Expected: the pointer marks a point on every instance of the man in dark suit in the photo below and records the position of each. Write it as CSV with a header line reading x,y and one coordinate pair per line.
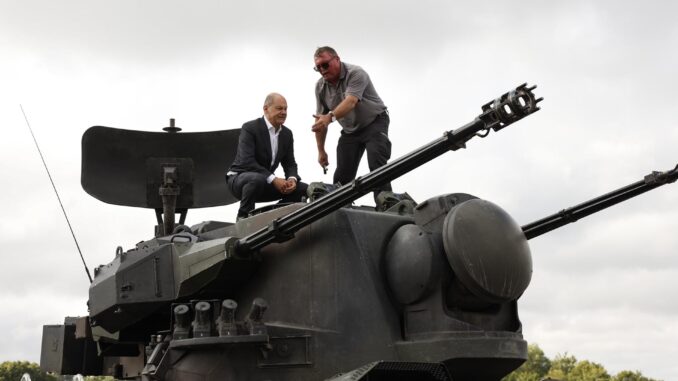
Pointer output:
x,y
264,144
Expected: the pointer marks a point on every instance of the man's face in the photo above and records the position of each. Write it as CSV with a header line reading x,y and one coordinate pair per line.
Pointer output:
x,y
276,112
329,67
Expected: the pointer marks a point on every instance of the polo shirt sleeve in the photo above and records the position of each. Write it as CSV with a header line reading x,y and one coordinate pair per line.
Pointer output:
x,y
319,109
357,81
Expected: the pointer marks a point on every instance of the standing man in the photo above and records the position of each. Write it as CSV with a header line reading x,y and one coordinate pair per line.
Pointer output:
x,y
345,94
263,144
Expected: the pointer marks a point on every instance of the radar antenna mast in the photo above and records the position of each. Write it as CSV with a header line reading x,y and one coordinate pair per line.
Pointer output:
x,y
57,193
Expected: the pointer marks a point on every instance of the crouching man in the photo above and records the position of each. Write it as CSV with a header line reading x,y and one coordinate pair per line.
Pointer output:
x,y
264,144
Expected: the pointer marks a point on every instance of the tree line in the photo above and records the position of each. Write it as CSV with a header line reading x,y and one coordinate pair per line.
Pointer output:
x,y
565,367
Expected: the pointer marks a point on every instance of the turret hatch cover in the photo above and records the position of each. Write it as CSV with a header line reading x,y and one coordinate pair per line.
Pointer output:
x,y
124,167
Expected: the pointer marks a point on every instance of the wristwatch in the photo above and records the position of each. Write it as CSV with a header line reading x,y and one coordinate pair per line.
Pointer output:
x,y
334,118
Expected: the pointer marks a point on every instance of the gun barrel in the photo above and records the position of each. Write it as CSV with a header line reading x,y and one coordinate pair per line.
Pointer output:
x,y
570,215
503,111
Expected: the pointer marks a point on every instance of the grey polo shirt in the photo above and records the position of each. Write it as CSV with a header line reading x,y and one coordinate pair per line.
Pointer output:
x,y
353,80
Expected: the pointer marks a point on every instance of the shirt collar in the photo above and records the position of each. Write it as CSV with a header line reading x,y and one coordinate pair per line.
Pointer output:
x,y
344,71
271,127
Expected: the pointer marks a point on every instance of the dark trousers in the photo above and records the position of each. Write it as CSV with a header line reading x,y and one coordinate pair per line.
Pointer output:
x,y
372,138
251,187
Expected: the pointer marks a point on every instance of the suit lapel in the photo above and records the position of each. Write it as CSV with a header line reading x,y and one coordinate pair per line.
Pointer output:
x,y
266,141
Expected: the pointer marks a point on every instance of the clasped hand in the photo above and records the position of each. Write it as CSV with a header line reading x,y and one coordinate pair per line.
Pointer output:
x,y
285,186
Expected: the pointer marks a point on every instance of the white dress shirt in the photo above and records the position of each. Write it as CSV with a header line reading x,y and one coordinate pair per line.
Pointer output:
x,y
273,134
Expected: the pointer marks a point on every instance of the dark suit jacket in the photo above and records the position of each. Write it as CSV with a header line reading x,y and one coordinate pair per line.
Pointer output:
x,y
254,150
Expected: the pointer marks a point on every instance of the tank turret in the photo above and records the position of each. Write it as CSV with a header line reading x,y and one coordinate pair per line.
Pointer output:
x,y
322,290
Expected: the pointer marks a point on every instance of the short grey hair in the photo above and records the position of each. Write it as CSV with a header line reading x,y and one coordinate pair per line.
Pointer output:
x,y
325,49
270,98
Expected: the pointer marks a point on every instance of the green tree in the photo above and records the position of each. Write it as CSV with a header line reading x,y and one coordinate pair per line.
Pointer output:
x,y
534,369
13,370
561,366
627,375
588,371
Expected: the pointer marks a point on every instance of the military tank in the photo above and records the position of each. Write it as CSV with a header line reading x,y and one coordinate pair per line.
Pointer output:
x,y
319,290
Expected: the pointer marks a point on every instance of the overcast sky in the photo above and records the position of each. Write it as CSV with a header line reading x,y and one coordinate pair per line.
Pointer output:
x,y
603,289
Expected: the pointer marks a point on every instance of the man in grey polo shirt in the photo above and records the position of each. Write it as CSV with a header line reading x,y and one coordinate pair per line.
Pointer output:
x,y
346,94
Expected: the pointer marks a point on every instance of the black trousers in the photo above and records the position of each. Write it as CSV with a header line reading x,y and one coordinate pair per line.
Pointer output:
x,y
251,187
372,138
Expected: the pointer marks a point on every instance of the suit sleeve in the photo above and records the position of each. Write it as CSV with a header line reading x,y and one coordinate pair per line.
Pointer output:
x,y
288,162
247,147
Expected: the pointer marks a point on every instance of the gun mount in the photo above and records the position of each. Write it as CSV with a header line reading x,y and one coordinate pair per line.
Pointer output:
x,y
312,291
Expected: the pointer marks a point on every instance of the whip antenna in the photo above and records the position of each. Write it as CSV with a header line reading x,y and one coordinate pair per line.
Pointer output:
x,y
57,194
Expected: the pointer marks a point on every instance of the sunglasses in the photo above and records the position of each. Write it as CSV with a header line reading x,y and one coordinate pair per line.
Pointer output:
x,y
323,66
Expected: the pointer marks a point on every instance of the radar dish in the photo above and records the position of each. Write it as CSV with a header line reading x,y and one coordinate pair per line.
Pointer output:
x,y
124,167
